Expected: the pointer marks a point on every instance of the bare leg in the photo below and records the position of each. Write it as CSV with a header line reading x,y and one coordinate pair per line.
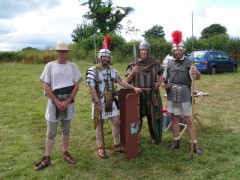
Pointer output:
x,y
116,129
99,133
188,120
65,141
175,126
49,146
196,149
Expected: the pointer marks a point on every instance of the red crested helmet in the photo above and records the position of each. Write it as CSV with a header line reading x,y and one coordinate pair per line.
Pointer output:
x,y
179,46
177,40
104,52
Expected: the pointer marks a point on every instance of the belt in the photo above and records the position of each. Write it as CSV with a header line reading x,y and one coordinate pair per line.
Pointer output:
x,y
180,85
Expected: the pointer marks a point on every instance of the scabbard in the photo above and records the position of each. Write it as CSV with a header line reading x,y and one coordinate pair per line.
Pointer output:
x,y
98,118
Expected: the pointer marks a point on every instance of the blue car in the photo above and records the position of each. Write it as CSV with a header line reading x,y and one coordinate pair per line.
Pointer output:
x,y
213,61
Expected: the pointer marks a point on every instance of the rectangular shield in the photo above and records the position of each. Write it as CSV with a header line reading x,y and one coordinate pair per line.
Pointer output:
x,y
130,124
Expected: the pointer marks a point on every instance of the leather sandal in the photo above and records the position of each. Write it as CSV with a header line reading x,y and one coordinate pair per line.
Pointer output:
x,y
67,157
45,161
119,148
101,153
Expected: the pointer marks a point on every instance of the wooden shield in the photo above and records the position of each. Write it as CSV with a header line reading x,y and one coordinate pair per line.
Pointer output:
x,y
130,124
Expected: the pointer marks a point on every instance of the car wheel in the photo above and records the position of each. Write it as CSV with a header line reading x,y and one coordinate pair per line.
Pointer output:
x,y
213,70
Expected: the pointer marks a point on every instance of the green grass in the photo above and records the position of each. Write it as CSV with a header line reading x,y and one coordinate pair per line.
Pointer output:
x,y
23,129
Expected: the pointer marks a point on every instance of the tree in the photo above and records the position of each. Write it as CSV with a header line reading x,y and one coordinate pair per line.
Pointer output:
x,y
29,49
235,48
192,44
212,30
83,31
104,17
156,32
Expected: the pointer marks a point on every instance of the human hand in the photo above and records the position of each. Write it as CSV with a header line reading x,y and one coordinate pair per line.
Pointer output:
x,y
165,85
99,108
194,73
134,70
137,90
193,69
157,85
62,105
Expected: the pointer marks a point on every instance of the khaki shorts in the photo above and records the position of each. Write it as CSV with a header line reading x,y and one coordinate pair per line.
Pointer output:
x,y
52,128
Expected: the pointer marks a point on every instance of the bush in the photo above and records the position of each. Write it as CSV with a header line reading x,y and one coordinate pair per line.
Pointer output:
x,y
122,51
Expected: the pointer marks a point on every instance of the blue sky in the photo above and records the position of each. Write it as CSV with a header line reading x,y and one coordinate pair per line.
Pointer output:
x,y
42,23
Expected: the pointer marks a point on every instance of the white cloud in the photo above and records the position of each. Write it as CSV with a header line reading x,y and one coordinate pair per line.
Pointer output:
x,y
46,26
41,23
11,8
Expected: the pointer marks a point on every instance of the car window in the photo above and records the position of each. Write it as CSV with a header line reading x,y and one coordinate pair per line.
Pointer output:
x,y
199,55
217,55
225,56
210,55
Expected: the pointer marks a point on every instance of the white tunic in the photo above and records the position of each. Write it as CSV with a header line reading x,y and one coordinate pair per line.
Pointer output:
x,y
60,76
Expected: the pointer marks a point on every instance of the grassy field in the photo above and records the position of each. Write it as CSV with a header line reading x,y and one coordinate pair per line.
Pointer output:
x,y
23,129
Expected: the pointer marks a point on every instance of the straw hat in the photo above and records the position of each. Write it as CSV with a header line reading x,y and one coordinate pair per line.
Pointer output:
x,y
61,46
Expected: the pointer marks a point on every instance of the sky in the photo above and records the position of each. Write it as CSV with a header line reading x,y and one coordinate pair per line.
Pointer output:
x,y
42,23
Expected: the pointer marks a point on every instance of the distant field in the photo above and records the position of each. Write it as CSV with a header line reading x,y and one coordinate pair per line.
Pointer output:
x,y
23,129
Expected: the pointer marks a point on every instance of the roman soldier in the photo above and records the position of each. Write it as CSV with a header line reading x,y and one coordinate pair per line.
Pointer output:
x,y
146,73
101,79
178,76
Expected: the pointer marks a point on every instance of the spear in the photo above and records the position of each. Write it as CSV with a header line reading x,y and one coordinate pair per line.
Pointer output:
x,y
134,54
193,123
193,101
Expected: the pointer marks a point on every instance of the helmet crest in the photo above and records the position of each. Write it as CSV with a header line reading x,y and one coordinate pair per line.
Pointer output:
x,y
176,37
107,42
177,40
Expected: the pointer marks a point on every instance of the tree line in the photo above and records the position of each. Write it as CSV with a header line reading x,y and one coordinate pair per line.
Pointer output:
x,y
103,18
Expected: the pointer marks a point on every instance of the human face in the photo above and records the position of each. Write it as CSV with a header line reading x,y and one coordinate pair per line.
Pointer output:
x,y
62,56
178,54
143,53
105,60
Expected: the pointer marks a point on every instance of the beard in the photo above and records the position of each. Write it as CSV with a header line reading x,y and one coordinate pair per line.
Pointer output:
x,y
178,56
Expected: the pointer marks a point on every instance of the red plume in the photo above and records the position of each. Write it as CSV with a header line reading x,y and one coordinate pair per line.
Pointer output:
x,y
107,42
176,37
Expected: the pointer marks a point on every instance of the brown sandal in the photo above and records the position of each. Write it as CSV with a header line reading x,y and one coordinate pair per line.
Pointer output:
x,y
101,153
67,157
119,148
45,161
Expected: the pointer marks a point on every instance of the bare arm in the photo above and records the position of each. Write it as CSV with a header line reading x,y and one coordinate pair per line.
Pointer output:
x,y
158,83
94,94
132,74
129,86
195,72
74,92
49,93
96,98
61,105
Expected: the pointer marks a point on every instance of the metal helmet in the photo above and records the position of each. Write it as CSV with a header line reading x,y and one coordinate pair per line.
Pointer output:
x,y
104,52
179,46
144,45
